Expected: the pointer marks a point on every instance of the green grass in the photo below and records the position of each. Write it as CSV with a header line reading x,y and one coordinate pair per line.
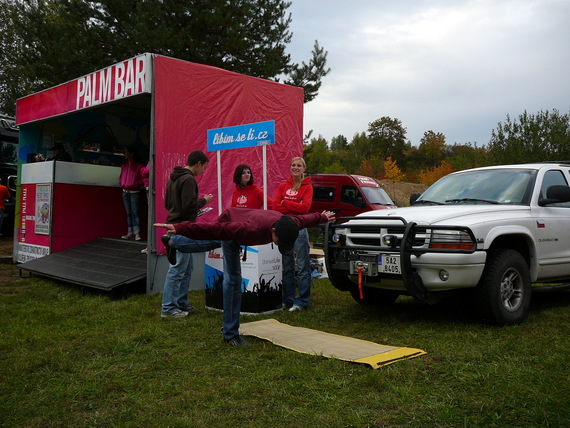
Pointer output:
x,y
73,359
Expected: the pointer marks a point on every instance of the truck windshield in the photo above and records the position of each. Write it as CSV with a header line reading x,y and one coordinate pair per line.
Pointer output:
x,y
496,186
376,196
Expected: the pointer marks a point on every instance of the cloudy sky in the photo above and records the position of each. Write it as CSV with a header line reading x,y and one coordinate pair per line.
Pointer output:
x,y
452,66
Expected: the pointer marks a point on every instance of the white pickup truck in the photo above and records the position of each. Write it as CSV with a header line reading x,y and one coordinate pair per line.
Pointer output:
x,y
493,231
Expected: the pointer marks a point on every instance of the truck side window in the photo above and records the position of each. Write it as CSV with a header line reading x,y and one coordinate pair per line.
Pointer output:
x,y
323,193
553,178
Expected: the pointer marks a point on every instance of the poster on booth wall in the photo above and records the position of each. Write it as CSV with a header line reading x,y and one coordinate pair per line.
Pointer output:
x,y
261,279
43,209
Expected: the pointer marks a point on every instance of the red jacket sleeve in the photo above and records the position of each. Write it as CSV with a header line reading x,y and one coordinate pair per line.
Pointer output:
x,y
309,220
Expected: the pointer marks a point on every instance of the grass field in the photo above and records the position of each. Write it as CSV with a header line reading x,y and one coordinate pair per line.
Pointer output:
x,y
75,359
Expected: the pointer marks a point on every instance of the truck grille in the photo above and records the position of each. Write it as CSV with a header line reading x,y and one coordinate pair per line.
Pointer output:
x,y
371,235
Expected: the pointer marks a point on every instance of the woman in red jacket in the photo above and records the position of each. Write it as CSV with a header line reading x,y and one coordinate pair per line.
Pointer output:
x,y
247,194
294,197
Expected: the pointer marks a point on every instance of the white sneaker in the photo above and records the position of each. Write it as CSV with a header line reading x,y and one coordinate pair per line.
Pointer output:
x,y
296,308
176,313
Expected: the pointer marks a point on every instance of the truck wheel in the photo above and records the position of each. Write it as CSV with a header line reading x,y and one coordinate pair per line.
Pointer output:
x,y
373,296
340,280
504,289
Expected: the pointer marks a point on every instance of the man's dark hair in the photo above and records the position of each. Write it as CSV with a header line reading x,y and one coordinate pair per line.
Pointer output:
x,y
197,156
287,232
239,170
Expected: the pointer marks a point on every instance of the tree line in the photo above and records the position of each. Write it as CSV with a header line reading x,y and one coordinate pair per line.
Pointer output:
x,y
47,42
383,152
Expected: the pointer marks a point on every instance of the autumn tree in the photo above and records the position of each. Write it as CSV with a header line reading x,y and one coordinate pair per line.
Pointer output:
x,y
431,175
47,42
392,171
371,167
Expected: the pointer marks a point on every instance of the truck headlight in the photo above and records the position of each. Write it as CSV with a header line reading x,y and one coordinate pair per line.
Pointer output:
x,y
390,240
338,238
451,240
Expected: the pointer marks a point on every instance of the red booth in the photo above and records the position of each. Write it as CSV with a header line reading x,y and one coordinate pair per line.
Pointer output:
x,y
163,106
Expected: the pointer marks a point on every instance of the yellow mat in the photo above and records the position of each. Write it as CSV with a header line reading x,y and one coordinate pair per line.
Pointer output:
x,y
328,345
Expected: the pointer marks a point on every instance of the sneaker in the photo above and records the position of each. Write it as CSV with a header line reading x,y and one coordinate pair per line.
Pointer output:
x,y
137,237
170,250
190,309
287,306
237,341
176,313
145,251
296,308
128,236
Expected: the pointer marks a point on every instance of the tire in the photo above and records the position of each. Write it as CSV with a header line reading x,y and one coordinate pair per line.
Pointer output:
x,y
373,296
504,291
340,280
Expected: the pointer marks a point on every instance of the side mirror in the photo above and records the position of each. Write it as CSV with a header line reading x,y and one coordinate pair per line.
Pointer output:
x,y
555,194
414,197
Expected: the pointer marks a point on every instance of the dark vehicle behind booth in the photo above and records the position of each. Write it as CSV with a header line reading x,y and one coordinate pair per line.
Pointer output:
x,y
8,168
347,194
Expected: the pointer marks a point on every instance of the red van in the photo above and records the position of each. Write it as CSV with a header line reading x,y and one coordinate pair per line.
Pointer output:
x,y
347,194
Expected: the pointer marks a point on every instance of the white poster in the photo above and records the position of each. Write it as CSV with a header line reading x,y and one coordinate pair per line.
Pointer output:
x,y
43,209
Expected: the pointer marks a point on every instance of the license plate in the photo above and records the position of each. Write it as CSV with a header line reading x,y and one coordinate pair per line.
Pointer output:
x,y
388,263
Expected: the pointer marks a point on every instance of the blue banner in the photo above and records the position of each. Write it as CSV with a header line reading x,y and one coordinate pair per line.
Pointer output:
x,y
237,137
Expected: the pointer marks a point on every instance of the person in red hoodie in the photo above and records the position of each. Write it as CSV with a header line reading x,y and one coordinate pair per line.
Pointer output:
x,y
294,197
4,194
247,194
236,227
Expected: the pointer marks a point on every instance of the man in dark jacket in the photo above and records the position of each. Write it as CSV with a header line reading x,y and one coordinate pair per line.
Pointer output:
x,y
182,203
240,226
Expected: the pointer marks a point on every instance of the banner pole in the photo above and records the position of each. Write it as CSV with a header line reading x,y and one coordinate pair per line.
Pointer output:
x,y
219,168
264,177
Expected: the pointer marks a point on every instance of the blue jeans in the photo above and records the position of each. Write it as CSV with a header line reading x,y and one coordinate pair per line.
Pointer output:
x,y
231,286
188,245
175,293
1,218
301,259
131,201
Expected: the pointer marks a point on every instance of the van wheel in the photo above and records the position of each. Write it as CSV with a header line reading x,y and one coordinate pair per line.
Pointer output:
x,y
504,290
373,296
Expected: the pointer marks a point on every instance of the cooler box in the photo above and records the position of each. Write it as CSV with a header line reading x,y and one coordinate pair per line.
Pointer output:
x,y
261,275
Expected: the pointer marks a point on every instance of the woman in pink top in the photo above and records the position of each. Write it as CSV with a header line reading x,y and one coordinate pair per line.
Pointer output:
x,y
131,183
294,197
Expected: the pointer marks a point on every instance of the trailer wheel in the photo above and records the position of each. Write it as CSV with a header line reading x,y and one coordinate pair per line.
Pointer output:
x,y
504,290
373,296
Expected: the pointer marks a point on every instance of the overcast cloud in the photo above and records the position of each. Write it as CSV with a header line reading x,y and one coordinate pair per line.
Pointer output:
x,y
451,66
